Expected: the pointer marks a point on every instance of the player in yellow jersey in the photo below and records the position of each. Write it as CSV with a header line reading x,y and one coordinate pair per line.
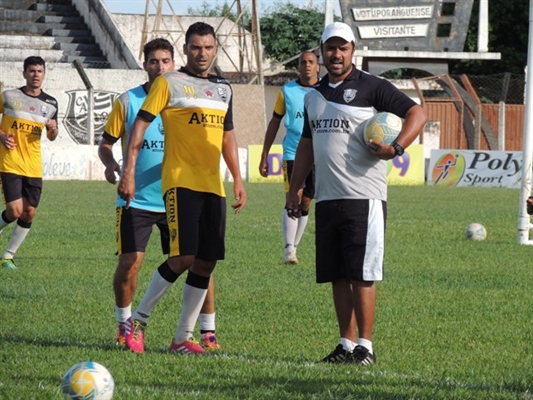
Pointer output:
x,y
26,111
196,109
134,225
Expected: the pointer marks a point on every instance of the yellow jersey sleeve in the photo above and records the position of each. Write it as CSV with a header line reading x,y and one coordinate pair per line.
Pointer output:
x,y
115,126
158,97
279,107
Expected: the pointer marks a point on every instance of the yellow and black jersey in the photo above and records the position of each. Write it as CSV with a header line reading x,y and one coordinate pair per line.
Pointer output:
x,y
196,112
24,117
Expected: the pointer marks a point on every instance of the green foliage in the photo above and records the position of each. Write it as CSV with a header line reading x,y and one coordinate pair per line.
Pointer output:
x,y
508,35
453,316
208,9
287,30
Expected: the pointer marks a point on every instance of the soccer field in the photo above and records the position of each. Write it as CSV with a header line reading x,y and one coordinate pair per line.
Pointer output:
x,y
454,317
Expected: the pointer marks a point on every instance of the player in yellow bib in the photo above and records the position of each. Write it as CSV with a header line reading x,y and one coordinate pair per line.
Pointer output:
x,y
26,111
196,109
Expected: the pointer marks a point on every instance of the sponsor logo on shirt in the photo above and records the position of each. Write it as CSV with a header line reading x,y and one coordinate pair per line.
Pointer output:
x,y
331,125
207,120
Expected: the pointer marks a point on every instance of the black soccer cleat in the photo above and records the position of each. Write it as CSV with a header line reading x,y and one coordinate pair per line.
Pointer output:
x,y
337,356
362,356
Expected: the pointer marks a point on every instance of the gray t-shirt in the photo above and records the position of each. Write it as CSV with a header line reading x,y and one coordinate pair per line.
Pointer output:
x,y
334,117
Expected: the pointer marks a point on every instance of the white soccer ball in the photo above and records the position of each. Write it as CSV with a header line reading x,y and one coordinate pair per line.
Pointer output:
x,y
382,127
88,380
476,232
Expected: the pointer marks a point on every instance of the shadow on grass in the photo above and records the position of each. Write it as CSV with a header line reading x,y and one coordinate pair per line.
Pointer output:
x,y
273,378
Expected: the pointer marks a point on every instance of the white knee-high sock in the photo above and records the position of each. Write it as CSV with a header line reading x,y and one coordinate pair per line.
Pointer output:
x,y
17,237
193,299
302,223
157,288
290,227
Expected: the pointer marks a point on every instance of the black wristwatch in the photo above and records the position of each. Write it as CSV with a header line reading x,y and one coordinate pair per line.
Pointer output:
x,y
399,150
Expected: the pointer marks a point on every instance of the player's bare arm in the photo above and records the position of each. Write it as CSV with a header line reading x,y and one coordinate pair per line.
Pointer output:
x,y
51,130
112,168
382,150
270,136
126,185
8,140
230,152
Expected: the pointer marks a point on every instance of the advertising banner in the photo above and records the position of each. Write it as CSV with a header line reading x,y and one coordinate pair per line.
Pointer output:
x,y
405,170
275,163
475,168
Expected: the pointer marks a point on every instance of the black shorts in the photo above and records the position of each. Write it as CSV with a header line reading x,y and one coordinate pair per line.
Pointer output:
x,y
350,240
134,227
197,223
16,187
309,184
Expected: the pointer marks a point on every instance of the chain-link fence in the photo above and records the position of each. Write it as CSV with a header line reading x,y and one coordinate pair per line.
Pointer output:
x,y
491,89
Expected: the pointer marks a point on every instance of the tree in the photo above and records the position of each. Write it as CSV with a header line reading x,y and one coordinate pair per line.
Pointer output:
x,y
210,10
508,35
287,30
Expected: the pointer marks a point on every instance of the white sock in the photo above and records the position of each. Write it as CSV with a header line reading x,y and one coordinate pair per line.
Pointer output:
x,y
290,227
367,344
122,313
302,223
193,299
8,255
347,345
207,322
17,237
157,288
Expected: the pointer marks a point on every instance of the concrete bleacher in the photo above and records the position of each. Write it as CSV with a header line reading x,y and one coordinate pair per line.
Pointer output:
x,y
52,29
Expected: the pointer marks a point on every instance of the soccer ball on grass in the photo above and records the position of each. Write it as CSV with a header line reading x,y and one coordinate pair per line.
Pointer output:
x,y
476,232
383,127
88,380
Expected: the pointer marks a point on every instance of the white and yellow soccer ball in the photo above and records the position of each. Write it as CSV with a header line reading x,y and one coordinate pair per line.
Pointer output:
x,y
88,380
383,127
475,232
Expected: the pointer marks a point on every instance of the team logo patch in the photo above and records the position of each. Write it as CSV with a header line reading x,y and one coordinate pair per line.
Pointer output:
x,y
349,95
44,111
76,116
222,93
209,93
32,109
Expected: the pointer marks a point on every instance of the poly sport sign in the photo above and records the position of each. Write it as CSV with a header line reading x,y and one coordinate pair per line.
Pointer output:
x,y
475,168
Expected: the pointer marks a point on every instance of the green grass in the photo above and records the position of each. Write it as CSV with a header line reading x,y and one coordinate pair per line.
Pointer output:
x,y
454,317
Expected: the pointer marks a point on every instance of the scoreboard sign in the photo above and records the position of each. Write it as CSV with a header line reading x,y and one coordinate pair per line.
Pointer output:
x,y
416,25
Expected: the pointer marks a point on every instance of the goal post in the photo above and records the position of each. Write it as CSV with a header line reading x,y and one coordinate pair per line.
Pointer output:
x,y
524,220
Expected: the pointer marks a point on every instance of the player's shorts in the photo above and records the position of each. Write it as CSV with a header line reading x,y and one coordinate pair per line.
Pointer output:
x,y
134,227
350,240
16,187
197,223
309,184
